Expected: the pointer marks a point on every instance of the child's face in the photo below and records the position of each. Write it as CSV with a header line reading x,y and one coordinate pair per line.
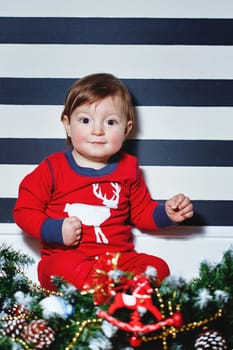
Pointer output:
x,y
97,131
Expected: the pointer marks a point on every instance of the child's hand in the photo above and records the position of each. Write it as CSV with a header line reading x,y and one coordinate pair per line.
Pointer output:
x,y
179,208
71,231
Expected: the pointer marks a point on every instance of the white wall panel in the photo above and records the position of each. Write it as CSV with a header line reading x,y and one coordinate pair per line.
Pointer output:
x,y
203,183
11,176
121,8
22,121
190,123
184,255
152,61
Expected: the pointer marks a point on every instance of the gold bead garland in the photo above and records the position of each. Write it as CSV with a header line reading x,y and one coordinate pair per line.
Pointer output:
x,y
165,331
23,343
11,318
190,326
82,325
36,287
172,331
196,324
160,299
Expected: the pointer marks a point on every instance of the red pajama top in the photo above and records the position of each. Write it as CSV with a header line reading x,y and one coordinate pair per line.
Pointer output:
x,y
108,201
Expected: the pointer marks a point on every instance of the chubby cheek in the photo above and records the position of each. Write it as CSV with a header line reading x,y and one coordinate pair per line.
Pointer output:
x,y
78,136
117,139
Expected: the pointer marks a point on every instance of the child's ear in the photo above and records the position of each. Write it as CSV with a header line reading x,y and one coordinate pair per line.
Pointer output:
x,y
66,124
128,127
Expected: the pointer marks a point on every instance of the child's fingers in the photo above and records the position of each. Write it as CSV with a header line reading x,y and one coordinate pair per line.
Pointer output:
x,y
176,201
188,211
185,202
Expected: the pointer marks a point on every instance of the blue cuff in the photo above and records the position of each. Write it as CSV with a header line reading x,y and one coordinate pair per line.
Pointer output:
x,y
160,217
52,231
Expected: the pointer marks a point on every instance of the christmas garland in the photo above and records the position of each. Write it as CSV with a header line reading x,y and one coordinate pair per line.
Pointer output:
x,y
119,311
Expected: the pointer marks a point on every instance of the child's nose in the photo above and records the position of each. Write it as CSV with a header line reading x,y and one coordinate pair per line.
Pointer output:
x,y
98,128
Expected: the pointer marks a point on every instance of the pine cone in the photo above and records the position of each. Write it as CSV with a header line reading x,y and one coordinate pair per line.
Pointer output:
x,y
210,340
14,328
39,334
18,310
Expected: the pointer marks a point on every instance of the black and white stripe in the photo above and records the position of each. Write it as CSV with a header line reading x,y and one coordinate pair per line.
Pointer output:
x,y
179,69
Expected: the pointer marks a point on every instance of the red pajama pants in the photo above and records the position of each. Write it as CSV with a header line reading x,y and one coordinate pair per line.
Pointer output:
x,y
78,269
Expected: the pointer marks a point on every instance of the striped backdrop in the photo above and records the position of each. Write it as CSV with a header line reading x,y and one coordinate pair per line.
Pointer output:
x,y
176,58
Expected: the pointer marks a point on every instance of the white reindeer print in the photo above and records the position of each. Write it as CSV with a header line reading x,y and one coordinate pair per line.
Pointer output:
x,y
95,215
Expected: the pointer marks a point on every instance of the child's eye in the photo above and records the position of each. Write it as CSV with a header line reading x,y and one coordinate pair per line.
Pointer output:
x,y
84,120
111,122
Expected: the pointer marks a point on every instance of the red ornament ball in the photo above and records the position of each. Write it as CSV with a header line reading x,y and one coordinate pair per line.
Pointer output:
x,y
39,334
177,319
210,339
135,340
